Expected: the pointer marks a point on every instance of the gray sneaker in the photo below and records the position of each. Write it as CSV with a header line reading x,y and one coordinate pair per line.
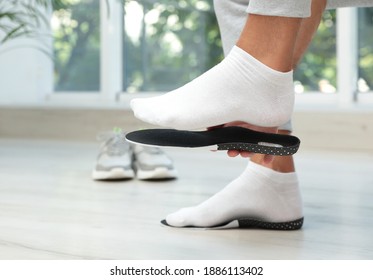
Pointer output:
x,y
114,158
152,163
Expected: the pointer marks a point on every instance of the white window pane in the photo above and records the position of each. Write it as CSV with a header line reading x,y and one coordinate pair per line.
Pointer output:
x,y
168,43
365,81
317,70
76,32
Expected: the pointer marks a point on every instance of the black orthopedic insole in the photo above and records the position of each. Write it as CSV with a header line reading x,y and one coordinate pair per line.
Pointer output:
x,y
226,138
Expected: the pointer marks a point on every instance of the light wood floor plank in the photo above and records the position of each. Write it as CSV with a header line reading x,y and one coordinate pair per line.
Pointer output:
x,y
51,209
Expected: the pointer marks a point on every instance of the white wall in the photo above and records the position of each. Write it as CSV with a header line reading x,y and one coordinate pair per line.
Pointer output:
x,y
26,73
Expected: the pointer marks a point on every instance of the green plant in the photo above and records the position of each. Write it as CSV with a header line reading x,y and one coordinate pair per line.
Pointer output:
x,y
24,18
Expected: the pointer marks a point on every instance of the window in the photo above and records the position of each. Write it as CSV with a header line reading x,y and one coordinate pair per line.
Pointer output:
x,y
168,43
76,31
317,70
365,77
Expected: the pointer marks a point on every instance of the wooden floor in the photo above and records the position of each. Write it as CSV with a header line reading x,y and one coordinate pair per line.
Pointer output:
x,y
51,209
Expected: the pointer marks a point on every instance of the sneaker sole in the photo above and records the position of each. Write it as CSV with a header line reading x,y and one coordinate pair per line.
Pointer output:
x,y
113,174
157,173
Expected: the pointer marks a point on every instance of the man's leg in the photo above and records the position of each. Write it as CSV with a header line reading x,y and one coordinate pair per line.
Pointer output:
x,y
271,40
307,30
254,83
270,194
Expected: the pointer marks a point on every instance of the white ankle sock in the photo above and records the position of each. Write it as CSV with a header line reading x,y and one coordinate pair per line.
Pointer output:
x,y
258,193
240,88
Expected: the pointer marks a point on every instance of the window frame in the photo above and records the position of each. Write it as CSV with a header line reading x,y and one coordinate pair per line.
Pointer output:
x,y
112,72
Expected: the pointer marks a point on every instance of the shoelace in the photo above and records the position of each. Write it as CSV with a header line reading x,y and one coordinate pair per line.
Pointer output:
x,y
115,143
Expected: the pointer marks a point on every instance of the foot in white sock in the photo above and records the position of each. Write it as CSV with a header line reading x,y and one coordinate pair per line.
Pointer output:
x,y
259,197
240,88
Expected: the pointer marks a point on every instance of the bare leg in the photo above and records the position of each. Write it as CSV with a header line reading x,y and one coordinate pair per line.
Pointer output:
x,y
307,30
271,40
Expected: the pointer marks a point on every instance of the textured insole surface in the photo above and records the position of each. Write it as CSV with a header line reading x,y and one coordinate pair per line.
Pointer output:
x,y
226,138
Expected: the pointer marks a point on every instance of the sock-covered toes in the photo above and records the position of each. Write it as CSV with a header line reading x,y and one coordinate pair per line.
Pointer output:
x,y
258,193
240,88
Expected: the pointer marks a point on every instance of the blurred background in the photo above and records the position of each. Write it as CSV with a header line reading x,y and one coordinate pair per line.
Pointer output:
x,y
81,61
164,44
